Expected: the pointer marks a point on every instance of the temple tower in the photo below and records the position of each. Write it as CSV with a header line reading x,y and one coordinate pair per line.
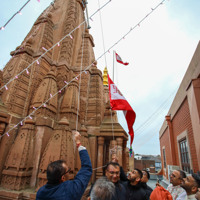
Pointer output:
x,y
55,94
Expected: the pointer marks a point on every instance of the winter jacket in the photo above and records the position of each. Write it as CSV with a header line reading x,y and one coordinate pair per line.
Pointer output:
x,y
147,189
120,192
135,192
72,189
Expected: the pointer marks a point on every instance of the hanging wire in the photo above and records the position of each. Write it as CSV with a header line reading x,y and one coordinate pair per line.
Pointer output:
x,y
102,33
83,43
157,111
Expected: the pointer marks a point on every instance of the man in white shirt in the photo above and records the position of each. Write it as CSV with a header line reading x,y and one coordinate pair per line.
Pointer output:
x,y
191,185
175,189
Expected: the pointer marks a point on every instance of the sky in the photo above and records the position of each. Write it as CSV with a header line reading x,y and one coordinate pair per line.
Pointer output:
x,y
159,51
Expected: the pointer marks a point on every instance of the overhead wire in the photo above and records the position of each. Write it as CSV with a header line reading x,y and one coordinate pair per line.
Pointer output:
x,y
157,111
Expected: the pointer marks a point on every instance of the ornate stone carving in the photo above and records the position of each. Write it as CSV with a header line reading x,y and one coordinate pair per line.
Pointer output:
x,y
67,43
69,103
61,140
47,89
18,166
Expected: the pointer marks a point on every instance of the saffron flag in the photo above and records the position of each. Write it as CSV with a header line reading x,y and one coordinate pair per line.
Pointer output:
x,y
118,102
119,60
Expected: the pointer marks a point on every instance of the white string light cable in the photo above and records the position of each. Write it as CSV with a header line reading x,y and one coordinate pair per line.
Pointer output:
x,y
34,30
18,12
47,50
84,71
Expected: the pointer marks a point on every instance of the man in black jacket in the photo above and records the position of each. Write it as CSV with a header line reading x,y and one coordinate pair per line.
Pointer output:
x,y
112,172
133,186
144,180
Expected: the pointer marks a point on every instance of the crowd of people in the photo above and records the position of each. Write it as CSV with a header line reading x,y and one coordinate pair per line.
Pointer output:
x,y
114,185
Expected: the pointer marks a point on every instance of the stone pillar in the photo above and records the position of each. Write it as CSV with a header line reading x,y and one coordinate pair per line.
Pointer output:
x,y
119,149
99,172
107,152
113,148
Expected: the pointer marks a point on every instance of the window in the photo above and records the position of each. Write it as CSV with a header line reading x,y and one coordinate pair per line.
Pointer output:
x,y
185,162
164,158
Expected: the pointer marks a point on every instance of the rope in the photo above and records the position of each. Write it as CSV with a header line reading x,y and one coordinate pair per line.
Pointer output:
x,y
18,12
80,80
102,33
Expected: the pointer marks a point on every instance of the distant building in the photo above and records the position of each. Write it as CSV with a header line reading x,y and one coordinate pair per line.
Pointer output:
x,y
148,162
180,132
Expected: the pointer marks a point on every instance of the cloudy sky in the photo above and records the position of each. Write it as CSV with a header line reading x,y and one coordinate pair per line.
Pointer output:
x,y
159,52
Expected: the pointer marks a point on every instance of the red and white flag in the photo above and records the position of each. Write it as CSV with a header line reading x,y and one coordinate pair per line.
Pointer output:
x,y
119,60
118,102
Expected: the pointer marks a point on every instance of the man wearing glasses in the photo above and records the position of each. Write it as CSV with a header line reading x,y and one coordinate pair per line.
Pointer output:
x,y
112,172
176,179
58,186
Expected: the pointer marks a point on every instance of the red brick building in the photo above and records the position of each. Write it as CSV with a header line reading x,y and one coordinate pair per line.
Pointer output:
x,y
180,132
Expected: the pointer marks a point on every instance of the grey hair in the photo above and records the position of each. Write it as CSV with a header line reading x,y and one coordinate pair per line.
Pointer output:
x,y
103,189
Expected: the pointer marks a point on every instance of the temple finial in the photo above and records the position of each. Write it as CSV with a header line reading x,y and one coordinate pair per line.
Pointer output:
x,y
105,76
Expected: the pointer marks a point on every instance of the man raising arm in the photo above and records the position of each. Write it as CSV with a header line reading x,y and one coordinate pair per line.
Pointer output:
x,y
58,186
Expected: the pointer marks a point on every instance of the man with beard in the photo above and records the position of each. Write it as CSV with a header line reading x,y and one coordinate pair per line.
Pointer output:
x,y
191,185
177,192
144,180
134,188
112,172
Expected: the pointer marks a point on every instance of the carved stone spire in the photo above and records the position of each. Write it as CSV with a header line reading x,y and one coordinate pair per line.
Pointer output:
x,y
19,163
62,142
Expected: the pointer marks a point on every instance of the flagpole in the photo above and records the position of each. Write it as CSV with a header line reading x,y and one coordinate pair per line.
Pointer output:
x,y
113,63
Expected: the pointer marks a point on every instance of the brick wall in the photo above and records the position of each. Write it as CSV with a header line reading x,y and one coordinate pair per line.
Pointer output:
x,y
165,143
182,122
